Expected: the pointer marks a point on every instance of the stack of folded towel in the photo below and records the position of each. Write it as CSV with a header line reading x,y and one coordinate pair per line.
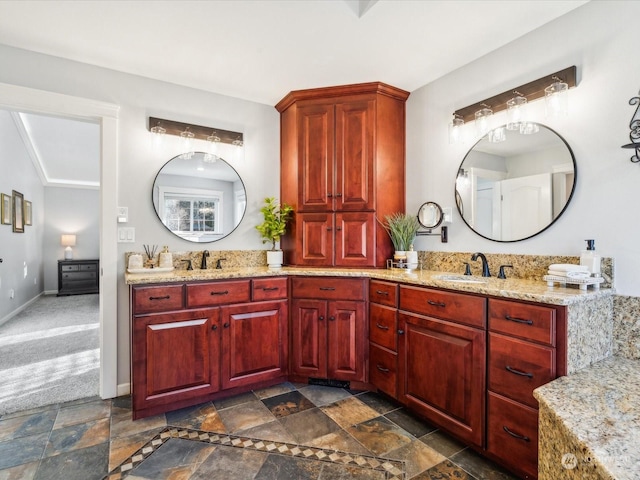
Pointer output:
x,y
569,270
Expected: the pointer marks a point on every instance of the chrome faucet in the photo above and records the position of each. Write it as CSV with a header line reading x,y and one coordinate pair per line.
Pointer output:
x,y
485,265
205,255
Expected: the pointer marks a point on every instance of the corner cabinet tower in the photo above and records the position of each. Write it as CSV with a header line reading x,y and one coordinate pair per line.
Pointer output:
x,y
342,168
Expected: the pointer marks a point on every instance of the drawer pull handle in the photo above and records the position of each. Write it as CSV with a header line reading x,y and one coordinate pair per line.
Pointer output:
x,y
380,292
166,297
328,289
519,372
223,292
269,289
518,320
515,435
382,327
382,369
436,304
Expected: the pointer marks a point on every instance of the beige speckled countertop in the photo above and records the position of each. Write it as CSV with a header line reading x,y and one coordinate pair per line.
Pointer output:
x,y
593,418
518,289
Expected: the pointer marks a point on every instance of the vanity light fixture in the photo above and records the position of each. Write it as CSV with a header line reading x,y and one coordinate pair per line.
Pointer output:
x,y
516,111
455,130
187,143
634,134
554,86
197,132
214,143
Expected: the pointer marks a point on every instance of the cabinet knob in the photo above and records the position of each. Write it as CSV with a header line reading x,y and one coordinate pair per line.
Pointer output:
x,y
226,325
400,332
214,327
332,318
320,317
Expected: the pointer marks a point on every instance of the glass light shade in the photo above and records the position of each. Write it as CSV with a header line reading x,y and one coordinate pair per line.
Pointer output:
x,y
158,130
455,131
556,98
187,143
529,128
483,121
497,135
239,150
515,112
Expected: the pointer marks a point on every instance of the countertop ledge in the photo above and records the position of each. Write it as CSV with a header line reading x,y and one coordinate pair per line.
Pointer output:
x,y
528,290
598,407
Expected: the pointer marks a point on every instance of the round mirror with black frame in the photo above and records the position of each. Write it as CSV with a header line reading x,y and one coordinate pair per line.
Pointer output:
x,y
199,197
515,189
430,215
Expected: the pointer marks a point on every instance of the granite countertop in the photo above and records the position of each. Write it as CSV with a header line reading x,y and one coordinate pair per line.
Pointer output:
x,y
518,289
599,408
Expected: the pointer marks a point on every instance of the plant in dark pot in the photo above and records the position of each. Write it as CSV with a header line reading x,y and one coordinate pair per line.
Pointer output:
x,y
276,216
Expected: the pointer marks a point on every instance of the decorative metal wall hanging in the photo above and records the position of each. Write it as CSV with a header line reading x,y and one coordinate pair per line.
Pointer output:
x,y
634,134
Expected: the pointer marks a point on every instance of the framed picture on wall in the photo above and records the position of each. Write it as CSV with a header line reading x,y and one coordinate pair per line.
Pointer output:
x,y
5,209
27,212
18,212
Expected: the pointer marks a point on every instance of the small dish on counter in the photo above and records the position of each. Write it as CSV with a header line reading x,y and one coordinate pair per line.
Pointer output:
x,y
150,270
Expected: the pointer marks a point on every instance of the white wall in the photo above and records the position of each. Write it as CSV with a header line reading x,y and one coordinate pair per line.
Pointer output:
x,y
21,269
601,40
139,161
69,210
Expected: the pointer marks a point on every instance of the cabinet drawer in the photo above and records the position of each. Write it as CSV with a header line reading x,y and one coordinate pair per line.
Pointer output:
x,y
383,326
516,367
512,434
269,288
384,293
91,267
457,307
69,268
157,299
72,276
217,293
383,369
329,288
531,322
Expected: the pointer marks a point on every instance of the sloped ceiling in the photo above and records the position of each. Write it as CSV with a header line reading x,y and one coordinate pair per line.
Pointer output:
x,y
259,50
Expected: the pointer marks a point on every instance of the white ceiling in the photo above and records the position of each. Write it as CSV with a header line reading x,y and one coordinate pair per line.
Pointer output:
x,y
259,50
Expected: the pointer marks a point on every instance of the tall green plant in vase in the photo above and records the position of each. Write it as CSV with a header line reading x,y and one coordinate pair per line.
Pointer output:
x,y
402,229
276,216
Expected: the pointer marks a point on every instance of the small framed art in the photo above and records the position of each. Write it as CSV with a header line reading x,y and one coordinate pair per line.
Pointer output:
x,y
27,212
18,212
5,209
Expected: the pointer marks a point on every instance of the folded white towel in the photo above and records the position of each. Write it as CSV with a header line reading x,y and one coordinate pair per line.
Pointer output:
x,y
558,273
568,267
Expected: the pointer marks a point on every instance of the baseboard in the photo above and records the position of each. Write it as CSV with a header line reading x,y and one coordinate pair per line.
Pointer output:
x,y
8,317
51,292
123,389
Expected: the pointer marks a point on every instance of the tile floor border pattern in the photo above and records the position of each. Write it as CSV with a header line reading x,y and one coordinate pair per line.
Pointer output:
x,y
392,469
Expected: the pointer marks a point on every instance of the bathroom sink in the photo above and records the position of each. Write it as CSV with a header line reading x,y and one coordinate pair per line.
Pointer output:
x,y
459,278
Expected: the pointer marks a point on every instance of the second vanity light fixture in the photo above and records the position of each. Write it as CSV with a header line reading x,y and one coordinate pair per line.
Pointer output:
x,y
553,88
188,133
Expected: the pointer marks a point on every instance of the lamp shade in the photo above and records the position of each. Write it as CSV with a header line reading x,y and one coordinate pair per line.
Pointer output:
x,y
68,240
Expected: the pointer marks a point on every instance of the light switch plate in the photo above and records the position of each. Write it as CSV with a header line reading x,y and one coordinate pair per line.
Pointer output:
x,y
126,234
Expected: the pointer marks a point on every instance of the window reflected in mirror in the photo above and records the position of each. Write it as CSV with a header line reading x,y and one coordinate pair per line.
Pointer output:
x,y
199,198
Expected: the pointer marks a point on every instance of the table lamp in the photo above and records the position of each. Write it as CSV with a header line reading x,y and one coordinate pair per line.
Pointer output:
x,y
68,241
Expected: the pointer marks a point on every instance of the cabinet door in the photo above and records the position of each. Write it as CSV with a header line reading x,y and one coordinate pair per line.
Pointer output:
x,y
355,126
442,370
309,338
175,357
354,233
346,341
314,239
316,157
254,343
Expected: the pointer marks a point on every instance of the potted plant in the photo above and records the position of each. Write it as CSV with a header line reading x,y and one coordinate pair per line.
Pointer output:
x,y
402,229
273,227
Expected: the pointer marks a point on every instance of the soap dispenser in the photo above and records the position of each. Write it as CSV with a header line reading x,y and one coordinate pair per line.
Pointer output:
x,y
590,259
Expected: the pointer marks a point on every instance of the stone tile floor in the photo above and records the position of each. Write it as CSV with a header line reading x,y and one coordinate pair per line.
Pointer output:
x,y
283,432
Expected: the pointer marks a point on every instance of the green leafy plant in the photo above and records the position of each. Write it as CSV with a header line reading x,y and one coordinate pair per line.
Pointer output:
x,y
276,217
402,228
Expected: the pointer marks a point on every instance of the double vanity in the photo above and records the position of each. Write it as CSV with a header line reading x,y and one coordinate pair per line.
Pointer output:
x,y
463,352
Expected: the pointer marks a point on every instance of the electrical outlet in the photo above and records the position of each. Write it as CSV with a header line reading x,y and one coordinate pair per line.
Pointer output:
x,y
12,293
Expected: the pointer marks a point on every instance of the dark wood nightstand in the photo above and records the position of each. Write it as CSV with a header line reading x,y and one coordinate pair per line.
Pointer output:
x,y
78,277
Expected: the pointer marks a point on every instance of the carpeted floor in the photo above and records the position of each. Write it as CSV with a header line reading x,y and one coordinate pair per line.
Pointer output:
x,y
49,353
